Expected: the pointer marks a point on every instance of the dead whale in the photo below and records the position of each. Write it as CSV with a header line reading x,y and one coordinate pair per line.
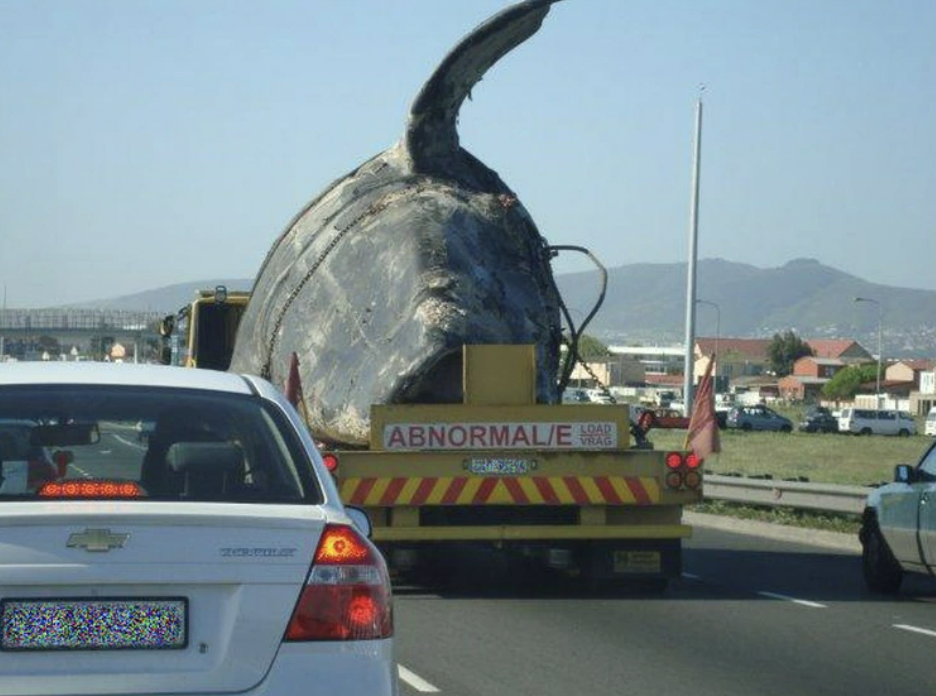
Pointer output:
x,y
378,282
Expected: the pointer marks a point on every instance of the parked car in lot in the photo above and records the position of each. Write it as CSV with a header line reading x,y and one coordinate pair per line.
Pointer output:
x,y
758,417
818,419
869,421
668,418
929,426
215,557
575,396
898,531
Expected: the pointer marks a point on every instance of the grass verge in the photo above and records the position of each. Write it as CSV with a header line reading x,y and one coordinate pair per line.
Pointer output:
x,y
830,522
836,459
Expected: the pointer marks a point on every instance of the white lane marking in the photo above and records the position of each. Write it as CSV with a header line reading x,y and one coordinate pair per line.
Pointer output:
x,y
914,629
135,445
415,681
691,576
802,602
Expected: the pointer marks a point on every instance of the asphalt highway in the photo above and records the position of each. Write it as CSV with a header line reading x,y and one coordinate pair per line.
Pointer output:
x,y
763,612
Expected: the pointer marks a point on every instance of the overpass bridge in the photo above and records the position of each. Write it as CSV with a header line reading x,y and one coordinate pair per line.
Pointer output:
x,y
90,334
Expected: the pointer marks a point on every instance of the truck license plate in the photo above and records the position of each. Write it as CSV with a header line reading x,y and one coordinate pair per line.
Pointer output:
x,y
634,562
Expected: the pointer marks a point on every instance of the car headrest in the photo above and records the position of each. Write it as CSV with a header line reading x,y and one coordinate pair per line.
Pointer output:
x,y
205,457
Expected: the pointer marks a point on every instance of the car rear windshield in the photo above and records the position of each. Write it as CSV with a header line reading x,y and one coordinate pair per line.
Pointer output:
x,y
73,442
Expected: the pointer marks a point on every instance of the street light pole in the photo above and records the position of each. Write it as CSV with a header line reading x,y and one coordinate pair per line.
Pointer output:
x,y
717,332
877,394
688,377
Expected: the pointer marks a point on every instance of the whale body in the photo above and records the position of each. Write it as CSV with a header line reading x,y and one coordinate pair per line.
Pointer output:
x,y
382,278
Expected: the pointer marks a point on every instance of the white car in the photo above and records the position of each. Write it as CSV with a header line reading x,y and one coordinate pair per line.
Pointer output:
x,y
898,532
929,426
869,421
216,557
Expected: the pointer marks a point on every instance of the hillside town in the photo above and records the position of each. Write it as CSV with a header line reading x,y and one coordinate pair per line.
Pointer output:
x,y
654,375
639,374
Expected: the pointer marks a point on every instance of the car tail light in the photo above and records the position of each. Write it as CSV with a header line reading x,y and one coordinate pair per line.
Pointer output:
x,y
347,594
91,489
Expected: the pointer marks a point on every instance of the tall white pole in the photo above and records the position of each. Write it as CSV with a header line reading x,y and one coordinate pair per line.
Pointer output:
x,y
691,280
2,317
717,333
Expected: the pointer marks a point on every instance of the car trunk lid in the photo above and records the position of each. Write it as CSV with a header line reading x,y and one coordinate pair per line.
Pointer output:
x,y
129,597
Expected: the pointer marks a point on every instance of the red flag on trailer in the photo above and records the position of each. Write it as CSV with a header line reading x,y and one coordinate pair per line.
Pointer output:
x,y
702,437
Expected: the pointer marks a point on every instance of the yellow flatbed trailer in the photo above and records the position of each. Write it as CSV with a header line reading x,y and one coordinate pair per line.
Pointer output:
x,y
560,483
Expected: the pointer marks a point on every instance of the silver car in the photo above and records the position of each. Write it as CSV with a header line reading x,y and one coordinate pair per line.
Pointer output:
x,y
758,417
898,532
213,557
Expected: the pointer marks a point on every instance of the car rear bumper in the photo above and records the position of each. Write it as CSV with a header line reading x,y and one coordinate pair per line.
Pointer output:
x,y
349,668
357,667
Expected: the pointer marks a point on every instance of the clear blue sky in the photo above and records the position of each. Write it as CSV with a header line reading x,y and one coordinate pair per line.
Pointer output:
x,y
149,143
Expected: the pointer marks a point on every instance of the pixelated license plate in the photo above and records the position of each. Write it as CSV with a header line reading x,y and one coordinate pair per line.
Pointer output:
x,y
637,562
94,624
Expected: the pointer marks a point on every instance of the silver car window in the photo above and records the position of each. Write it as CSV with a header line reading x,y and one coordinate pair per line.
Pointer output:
x,y
928,462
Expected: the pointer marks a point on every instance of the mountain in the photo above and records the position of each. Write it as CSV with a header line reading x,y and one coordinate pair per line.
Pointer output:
x,y
165,300
646,303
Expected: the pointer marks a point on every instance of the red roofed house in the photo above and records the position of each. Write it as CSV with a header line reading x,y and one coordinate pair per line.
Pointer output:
x,y
736,357
908,371
838,348
745,360
810,373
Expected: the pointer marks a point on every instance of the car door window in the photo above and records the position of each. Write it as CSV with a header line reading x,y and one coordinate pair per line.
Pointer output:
x,y
926,469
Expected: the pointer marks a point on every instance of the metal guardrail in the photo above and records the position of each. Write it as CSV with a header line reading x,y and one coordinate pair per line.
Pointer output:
x,y
793,494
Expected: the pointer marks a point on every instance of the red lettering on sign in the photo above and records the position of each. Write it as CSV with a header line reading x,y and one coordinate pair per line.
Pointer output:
x,y
520,437
500,435
479,436
564,435
396,438
457,436
436,436
538,436
417,436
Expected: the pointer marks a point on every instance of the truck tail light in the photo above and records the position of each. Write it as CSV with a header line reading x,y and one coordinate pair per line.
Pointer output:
x,y
683,470
347,594
693,479
331,461
674,460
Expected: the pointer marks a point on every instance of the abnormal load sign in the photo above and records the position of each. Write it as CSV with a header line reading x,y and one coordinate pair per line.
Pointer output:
x,y
495,435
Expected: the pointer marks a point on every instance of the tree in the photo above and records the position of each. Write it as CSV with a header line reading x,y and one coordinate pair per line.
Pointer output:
x,y
590,348
784,350
846,382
